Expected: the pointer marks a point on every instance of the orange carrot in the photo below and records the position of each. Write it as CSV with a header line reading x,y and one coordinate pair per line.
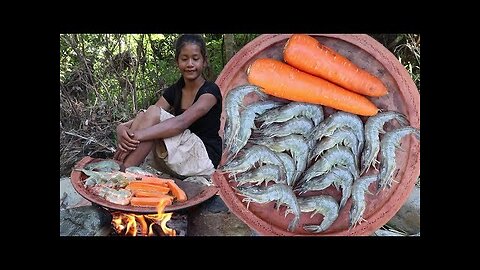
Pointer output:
x,y
156,180
284,81
177,192
143,193
307,54
138,185
150,201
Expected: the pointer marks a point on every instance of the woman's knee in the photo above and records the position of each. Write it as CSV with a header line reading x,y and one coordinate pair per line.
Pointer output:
x,y
152,114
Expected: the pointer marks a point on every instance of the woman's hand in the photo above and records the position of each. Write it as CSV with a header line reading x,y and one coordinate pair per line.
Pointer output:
x,y
126,143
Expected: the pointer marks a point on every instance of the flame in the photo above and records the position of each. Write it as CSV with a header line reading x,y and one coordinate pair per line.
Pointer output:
x,y
131,224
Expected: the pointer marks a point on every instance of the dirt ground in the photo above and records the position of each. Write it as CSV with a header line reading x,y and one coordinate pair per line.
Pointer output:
x,y
213,218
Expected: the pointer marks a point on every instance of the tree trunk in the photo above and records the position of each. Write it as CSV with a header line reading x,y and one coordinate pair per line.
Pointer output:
x,y
229,46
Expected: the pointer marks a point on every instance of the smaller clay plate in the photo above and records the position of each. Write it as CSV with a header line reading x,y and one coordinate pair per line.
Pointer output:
x,y
196,193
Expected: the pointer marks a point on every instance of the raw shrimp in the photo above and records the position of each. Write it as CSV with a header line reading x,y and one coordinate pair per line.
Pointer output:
x,y
233,103
289,165
338,176
339,155
374,127
323,204
247,123
298,125
254,154
261,174
337,120
280,193
360,186
344,136
388,145
291,110
295,144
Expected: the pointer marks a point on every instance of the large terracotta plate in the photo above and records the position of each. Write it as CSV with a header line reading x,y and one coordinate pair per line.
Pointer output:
x,y
196,193
403,96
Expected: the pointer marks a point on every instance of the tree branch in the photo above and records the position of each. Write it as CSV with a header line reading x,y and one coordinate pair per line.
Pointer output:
x,y
111,149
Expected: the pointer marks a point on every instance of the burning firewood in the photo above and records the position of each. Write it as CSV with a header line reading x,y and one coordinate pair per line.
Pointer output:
x,y
143,225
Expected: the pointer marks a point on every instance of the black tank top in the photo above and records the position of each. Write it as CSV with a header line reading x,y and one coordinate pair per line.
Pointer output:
x,y
207,126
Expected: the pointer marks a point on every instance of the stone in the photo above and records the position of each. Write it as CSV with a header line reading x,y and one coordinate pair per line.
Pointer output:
x,y
382,232
217,224
213,218
69,197
407,219
84,221
216,205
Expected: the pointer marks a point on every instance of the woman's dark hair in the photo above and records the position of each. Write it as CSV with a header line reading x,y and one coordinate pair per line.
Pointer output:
x,y
197,40
190,39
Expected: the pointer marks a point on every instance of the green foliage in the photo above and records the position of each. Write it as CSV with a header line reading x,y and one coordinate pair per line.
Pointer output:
x,y
407,49
215,55
116,68
128,71
242,39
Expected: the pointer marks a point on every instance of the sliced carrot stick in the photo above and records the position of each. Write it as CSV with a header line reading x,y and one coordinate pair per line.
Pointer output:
x,y
177,192
138,185
156,180
284,81
143,193
309,55
150,201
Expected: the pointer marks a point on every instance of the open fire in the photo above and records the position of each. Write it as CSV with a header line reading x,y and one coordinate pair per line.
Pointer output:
x,y
143,225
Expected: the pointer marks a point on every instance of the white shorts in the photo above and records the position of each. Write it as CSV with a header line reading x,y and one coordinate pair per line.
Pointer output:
x,y
184,154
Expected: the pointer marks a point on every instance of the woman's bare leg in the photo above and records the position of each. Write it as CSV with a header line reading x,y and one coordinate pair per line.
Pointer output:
x,y
147,119
121,155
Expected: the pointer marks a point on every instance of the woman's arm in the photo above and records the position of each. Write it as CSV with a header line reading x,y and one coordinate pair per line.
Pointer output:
x,y
126,136
163,103
177,124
